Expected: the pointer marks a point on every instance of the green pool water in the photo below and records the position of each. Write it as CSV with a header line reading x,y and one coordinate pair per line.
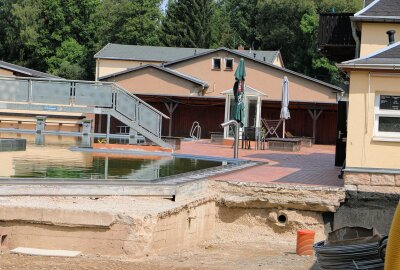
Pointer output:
x,y
56,160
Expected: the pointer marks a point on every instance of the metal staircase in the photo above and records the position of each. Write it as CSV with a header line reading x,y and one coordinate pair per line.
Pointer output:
x,y
19,93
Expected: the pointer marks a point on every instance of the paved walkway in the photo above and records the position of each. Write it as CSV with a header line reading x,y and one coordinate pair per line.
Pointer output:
x,y
310,166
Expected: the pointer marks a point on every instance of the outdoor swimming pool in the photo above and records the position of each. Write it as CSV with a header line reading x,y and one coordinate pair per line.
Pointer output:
x,y
55,160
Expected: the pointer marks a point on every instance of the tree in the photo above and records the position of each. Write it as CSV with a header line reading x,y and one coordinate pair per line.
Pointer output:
x,y
42,26
242,18
26,25
351,6
9,50
68,62
292,27
278,28
128,22
221,32
61,36
188,23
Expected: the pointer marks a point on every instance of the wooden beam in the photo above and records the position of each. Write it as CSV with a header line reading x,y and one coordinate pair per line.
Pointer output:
x,y
171,107
315,114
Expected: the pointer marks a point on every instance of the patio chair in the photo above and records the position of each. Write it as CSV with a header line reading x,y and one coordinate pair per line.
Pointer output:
x,y
271,127
288,134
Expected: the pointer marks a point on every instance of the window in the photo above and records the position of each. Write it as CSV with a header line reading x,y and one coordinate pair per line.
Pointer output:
x,y
387,118
216,63
228,63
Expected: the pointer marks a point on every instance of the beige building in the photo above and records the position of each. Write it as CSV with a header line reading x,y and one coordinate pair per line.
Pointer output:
x,y
115,58
188,85
373,139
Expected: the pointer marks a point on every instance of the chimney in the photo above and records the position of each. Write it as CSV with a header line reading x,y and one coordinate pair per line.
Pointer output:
x,y
240,48
390,34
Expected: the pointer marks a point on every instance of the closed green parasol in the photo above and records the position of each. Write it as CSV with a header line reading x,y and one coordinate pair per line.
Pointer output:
x,y
238,91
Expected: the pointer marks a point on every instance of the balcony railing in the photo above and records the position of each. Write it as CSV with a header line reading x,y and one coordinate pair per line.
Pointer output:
x,y
335,30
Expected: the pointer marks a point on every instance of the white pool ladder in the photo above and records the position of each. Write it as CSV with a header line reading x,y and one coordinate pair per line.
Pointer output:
x,y
195,131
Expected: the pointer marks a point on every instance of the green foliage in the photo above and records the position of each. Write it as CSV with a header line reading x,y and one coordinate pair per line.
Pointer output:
x,y
128,22
278,25
339,5
68,61
292,28
187,23
309,24
332,74
9,45
27,25
39,33
221,32
42,26
61,36
242,18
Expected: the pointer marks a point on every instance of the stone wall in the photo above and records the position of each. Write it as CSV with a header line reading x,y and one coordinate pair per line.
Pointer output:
x,y
372,182
371,200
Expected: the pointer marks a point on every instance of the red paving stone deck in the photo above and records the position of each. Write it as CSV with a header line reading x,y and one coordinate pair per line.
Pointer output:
x,y
311,166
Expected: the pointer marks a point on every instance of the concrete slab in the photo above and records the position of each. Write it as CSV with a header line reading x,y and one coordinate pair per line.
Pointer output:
x,y
45,252
107,225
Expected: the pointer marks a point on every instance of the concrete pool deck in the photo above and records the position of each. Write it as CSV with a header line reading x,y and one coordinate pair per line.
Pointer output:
x,y
310,166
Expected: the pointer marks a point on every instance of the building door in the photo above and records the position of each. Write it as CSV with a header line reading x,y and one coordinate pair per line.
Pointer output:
x,y
341,134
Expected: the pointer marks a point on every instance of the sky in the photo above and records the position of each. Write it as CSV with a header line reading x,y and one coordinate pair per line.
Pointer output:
x,y
164,4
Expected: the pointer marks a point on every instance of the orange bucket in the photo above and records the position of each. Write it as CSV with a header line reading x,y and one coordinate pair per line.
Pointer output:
x,y
305,242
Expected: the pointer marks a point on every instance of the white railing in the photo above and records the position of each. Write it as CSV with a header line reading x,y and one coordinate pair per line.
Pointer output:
x,y
75,93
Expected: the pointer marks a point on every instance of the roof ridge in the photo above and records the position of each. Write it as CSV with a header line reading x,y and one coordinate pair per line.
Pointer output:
x,y
26,70
182,74
261,62
168,70
389,47
166,47
246,86
373,3
102,49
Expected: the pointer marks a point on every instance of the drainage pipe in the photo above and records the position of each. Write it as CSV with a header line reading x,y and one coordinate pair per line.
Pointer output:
x,y
356,38
392,257
236,124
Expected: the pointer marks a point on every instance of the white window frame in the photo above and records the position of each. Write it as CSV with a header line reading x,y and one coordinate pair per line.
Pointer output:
x,y
225,61
382,135
220,63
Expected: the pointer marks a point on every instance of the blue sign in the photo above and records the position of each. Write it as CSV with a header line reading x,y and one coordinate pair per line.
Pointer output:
x,y
50,108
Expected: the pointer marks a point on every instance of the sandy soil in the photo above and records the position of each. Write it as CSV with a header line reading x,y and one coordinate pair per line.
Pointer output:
x,y
235,255
234,247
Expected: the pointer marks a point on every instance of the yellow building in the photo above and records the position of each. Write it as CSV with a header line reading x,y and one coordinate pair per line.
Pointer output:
x,y
373,138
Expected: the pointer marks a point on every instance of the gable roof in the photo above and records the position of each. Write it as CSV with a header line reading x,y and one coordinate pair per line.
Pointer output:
x,y
238,53
167,54
26,71
379,10
367,2
388,57
249,91
161,68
